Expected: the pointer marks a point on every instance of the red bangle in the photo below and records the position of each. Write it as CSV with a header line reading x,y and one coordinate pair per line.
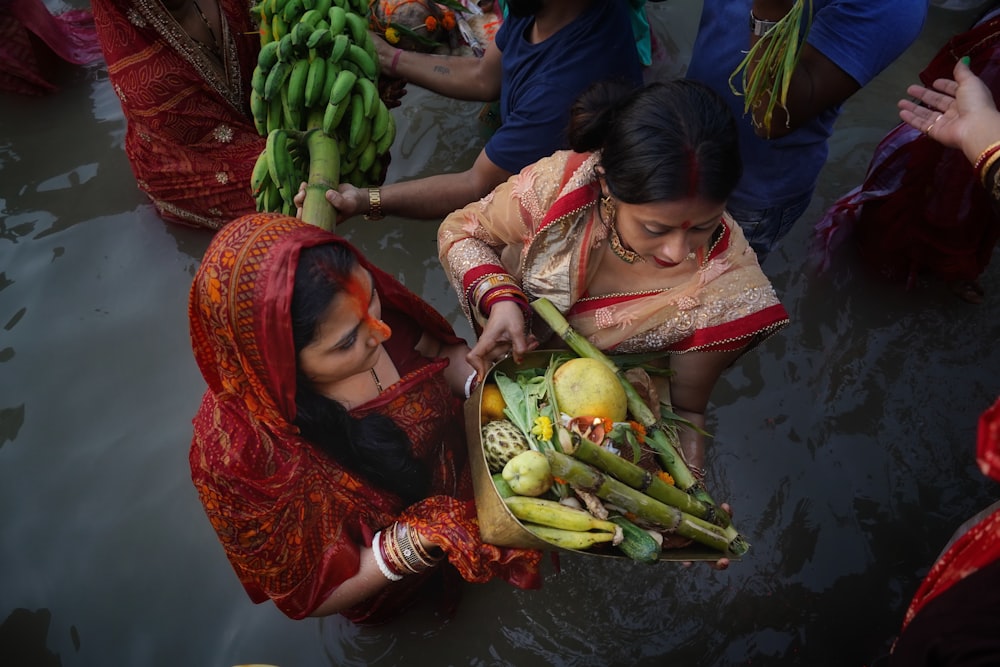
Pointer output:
x,y
395,59
983,157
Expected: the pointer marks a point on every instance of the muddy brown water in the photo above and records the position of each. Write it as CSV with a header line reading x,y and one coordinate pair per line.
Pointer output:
x,y
845,444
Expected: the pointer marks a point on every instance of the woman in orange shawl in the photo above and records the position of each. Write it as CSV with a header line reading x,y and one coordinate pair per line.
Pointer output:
x,y
181,69
320,435
628,238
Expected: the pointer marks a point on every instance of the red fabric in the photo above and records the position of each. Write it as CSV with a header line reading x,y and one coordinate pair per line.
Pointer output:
x,y
293,521
190,140
980,545
921,208
34,43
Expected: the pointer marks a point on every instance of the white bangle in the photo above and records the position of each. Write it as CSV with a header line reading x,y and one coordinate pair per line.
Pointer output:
x,y
382,567
468,384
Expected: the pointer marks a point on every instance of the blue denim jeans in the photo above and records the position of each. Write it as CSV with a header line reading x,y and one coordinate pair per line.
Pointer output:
x,y
765,227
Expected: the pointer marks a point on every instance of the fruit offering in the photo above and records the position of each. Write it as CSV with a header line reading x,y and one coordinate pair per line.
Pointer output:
x,y
581,461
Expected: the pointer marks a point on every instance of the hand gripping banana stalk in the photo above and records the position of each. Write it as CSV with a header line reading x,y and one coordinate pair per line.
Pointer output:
x,y
314,95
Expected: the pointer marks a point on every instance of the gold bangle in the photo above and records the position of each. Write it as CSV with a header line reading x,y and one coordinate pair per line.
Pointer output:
x,y
374,204
987,165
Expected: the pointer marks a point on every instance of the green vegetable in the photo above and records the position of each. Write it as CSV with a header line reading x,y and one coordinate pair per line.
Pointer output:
x,y
636,543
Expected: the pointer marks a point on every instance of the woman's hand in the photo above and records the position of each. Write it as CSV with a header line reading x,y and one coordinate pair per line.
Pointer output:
x,y
958,113
504,333
347,200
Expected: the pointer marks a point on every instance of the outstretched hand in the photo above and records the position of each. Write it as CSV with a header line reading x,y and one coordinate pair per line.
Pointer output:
x,y
958,113
503,334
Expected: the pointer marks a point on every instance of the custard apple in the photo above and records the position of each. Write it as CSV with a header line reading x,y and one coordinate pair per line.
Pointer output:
x,y
502,441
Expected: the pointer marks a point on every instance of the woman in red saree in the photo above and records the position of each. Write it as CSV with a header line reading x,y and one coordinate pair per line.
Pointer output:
x,y
302,493
181,69
628,238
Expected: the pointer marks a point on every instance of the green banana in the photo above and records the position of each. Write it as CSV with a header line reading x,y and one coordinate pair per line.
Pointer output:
x,y
384,143
276,79
359,57
279,160
338,20
342,86
300,34
292,114
286,49
315,82
267,57
330,77
319,39
358,25
323,6
292,11
359,124
257,80
369,93
297,88
381,120
275,114
258,109
260,175
339,47
279,28
367,157
312,17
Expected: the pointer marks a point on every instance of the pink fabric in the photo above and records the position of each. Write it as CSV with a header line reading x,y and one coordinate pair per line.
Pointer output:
x,y
34,43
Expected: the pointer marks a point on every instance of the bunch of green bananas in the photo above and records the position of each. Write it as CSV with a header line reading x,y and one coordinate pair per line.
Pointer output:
x,y
317,72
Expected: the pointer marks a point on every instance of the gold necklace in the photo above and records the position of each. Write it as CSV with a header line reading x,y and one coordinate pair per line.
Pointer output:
x,y
621,252
378,385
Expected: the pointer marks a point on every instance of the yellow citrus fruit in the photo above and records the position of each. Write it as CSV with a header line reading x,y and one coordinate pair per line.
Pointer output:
x,y
493,404
587,388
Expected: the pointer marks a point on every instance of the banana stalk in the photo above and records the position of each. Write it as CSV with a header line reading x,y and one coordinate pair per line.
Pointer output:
x,y
324,174
655,434
670,519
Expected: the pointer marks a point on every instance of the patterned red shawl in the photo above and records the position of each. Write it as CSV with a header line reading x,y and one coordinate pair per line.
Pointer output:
x,y
190,140
291,519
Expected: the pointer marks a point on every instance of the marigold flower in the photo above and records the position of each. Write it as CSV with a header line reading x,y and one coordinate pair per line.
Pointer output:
x,y
542,428
431,23
392,35
448,20
639,430
665,476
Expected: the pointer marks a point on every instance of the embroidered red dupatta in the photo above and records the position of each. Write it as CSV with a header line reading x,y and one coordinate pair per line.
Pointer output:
x,y
291,519
190,138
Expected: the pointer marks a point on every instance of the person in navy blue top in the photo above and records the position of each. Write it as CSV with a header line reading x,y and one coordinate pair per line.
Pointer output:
x,y
545,54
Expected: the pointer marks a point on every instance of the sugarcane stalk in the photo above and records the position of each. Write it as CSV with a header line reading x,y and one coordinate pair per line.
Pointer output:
x,y
672,462
324,174
640,479
669,518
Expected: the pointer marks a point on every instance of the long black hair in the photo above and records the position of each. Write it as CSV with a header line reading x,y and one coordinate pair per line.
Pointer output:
x,y
665,141
373,446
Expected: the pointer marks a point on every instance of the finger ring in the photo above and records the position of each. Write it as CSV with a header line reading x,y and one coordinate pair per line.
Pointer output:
x,y
931,126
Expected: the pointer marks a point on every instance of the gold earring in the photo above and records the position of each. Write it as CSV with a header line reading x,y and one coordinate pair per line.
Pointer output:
x,y
608,209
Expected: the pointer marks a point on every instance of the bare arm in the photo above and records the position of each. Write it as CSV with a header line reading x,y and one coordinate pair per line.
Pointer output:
x,y
458,77
458,370
817,83
694,378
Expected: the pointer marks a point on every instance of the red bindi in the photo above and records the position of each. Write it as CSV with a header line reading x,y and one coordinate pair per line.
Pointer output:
x,y
686,224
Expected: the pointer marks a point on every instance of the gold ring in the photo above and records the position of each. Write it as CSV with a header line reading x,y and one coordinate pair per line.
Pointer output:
x,y
931,126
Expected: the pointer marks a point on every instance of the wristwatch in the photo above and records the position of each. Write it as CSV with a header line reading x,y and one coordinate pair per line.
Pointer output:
x,y
759,27
374,204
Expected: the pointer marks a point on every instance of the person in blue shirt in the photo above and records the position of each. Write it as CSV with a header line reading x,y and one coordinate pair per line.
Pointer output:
x,y
545,54
848,43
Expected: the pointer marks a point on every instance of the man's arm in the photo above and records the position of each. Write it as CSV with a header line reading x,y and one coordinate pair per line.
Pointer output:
x,y
458,77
